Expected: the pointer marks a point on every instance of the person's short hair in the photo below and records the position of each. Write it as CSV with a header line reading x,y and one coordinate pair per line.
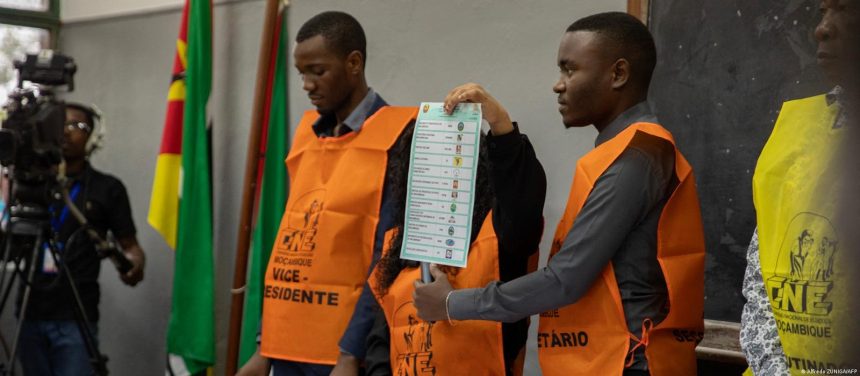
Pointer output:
x,y
341,31
629,37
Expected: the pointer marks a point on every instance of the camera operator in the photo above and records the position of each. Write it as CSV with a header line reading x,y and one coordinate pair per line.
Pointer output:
x,y
51,343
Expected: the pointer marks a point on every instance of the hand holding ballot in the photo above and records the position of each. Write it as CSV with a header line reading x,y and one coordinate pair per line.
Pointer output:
x,y
494,113
430,298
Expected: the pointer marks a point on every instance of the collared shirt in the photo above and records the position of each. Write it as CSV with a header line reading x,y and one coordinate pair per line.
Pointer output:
x,y
636,114
837,97
617,223
324,126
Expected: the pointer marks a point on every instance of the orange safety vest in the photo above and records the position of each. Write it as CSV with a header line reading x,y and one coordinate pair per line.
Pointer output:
x,y
324,247
439,348
590,337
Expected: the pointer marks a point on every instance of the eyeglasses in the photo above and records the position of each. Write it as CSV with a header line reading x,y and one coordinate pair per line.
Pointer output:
x,y
79,125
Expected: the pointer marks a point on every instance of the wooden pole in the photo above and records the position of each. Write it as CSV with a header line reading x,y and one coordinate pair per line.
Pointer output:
x,y
250,185
638,9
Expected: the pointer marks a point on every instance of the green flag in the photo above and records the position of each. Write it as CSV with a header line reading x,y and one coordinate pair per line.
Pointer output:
x,y
272,197
191,329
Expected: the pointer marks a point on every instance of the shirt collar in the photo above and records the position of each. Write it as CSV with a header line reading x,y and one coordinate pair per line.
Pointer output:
x,y
358,116
835,96
325,124
641,112
78,176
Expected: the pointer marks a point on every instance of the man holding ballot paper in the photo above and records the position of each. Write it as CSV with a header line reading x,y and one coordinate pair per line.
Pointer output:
x,y
623,291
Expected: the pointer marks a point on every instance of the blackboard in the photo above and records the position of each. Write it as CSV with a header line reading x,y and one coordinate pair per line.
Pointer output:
x,y
723,70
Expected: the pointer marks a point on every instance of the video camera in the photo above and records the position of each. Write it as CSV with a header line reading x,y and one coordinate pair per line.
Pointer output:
x,y
31,142
31,135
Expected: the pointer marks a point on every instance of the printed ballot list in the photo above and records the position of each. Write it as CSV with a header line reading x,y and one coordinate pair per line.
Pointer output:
x,y
441,192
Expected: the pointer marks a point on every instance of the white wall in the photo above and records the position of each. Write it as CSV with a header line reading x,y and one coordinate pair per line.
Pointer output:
x,y
417,51
78,10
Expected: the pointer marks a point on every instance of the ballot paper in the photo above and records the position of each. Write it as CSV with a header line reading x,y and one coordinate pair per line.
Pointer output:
x,y
441,192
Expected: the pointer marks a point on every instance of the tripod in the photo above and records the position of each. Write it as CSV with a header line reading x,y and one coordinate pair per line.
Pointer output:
x,y
31,223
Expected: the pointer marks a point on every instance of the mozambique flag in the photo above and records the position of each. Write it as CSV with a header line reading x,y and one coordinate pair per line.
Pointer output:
x,y
180,208
272,185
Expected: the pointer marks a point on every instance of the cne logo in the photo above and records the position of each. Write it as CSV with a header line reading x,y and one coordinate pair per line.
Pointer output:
x,y
415,345
804,267
299,235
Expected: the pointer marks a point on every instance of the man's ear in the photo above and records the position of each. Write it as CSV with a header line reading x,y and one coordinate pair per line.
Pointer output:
x,y
620,73
355,62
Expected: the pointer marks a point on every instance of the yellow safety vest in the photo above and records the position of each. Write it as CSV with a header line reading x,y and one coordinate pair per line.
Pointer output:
x,y
794,190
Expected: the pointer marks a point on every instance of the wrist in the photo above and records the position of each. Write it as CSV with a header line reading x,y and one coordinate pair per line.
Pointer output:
x,y
502,125
448,310
347,357
136,257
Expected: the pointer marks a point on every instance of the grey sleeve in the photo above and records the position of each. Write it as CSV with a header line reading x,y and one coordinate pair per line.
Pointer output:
x,y
625,192
759,336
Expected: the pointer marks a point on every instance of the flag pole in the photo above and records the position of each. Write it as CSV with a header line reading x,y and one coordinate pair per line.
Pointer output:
x,y
264,63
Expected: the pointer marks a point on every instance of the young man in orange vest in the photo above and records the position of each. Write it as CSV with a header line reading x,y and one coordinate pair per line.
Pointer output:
x,y
624,288
335,216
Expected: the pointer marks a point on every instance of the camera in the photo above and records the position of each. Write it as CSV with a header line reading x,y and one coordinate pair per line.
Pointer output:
x,y
31,143
31,135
